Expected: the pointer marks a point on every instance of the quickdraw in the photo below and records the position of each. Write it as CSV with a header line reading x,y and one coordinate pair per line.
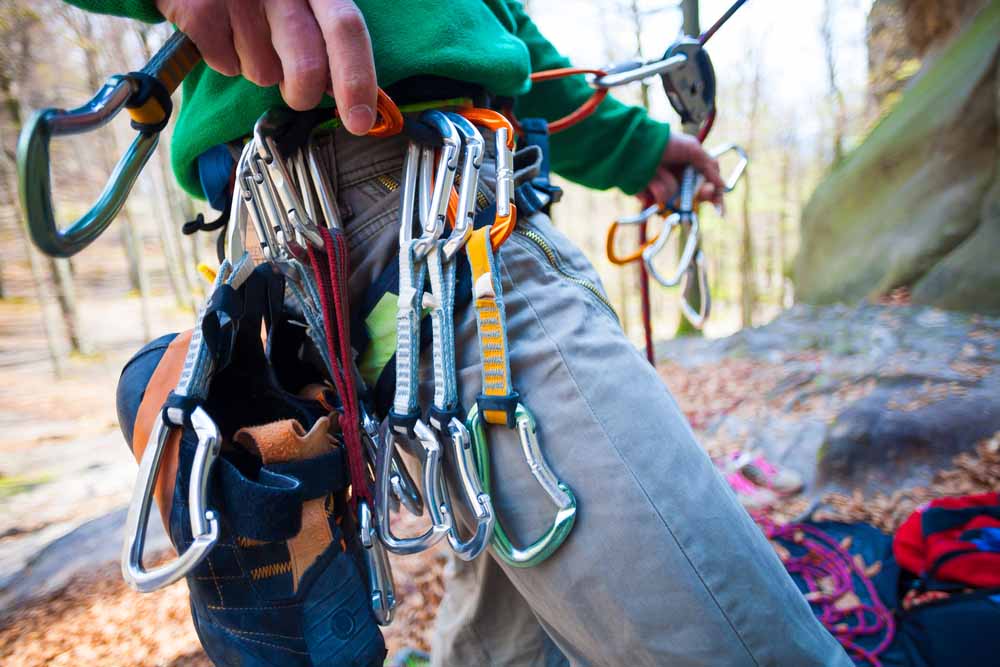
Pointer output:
x,y
146,96
499,404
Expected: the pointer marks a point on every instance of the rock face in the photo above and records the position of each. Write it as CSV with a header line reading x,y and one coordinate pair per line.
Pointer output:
x,y
874,397
918,203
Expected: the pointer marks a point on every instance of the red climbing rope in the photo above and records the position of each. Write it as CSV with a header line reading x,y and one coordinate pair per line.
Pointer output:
x,y
331,266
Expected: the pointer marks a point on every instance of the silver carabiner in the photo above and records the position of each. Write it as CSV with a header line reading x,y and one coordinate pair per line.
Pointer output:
x,y
671,223
325,189
472,490
381,585
441,520
684,215
293,211
737,173
697,271
435,212
473,148
204,523
404,490
642,216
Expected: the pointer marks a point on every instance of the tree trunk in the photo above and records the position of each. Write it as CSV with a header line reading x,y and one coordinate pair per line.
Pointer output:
x,y
748,294
171,250
781,242
62,277
50,325
836,94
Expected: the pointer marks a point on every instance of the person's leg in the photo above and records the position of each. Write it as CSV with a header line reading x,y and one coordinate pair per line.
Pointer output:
x,y
663,566
484,620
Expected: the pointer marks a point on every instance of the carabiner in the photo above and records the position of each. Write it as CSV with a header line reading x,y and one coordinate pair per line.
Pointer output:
x,y
609,243
204,523
434,213
294,210
327,195
441,520
560,494
472,160
476,496
503,133
737,173
684,215
381,585
146,95
697,271
404,490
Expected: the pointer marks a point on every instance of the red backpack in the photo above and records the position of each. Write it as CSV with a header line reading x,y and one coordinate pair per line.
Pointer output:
x,y
954,540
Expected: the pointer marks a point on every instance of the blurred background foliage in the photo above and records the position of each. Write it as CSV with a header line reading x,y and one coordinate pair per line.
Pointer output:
x,y
802,86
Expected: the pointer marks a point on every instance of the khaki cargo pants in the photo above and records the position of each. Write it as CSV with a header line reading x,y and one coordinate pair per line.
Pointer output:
x,y
664,567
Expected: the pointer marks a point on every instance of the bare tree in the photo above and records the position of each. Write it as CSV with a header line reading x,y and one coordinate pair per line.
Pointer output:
x,y
748,287
692,22
179,268
836,94
16,23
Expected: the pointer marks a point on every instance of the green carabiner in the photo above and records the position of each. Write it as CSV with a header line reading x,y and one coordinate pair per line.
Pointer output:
x,y
559,492
146,95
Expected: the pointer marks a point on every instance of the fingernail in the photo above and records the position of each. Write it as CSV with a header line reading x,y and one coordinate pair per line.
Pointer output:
x,y
360,119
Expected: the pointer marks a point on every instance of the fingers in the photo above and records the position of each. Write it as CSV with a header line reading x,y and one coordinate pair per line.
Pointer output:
x,y
299,44
206,22
352,66
708,167
252,38
663,187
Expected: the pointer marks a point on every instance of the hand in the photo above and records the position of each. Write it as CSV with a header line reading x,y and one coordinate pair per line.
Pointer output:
x,y
683,150
308,46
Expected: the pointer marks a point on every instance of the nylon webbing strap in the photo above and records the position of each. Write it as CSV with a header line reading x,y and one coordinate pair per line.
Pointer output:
x,y
412,273
192,386
442,279
498,400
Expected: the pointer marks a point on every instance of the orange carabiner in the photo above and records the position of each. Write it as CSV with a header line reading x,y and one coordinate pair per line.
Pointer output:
x,y
633,256
503,223
389,119
581,112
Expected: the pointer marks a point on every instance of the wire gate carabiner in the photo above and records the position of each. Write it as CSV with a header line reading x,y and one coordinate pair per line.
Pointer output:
x,y
146,96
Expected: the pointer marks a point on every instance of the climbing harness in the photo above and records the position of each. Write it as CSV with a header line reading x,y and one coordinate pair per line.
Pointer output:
x,y
499,405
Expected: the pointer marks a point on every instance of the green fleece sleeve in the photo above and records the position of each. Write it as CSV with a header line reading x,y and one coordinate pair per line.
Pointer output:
x,y
143,10
618,146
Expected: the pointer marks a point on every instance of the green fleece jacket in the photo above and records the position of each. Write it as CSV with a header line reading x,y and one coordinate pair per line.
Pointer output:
x,y
491,43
